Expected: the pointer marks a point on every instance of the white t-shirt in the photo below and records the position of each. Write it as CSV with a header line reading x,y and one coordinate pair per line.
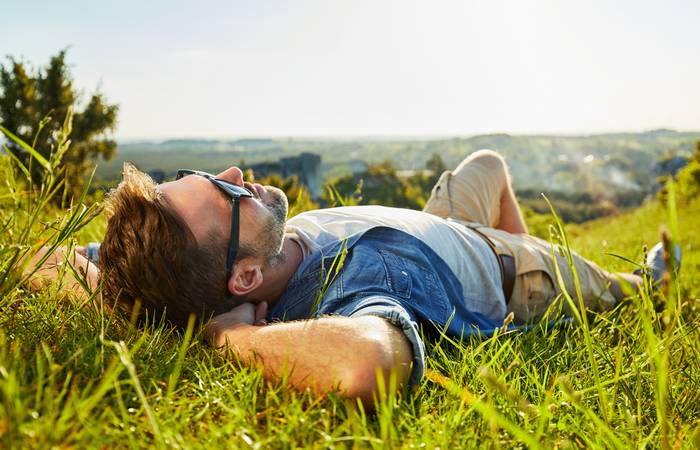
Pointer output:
x,y
464,251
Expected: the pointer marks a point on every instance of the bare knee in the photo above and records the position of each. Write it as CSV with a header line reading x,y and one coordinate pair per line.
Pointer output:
x,y
485,157
488,157
492,161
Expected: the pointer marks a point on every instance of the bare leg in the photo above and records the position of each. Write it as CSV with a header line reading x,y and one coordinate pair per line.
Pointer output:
x,y
510,217
616,286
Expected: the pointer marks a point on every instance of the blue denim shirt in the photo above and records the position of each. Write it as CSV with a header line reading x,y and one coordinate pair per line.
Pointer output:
x,y
385,273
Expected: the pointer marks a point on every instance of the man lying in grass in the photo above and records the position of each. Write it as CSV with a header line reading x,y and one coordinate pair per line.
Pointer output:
x,y
332,296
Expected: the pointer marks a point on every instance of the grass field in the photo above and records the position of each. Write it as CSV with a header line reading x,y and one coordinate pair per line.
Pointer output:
x,y
72,376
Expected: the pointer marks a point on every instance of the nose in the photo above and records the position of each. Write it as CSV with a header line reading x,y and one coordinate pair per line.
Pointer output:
x,y
233,175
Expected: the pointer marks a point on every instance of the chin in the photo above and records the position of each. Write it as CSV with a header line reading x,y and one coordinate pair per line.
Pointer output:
x,y
277,202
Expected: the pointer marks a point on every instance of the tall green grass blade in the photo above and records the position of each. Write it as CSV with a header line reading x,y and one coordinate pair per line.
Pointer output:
x,y
483,408
670,319
330,275
175,374
40,128
602,394
18,163
126,360
27,148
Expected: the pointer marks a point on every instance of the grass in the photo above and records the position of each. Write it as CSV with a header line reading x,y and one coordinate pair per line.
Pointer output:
x,y
71,376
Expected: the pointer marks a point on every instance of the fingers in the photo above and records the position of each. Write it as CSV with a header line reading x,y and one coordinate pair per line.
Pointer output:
x,y
260,313
217,331
243,308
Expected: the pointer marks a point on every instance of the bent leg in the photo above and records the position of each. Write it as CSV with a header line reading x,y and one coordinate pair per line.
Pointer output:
x,y
536,292
618,282
537,286
511,218
478,190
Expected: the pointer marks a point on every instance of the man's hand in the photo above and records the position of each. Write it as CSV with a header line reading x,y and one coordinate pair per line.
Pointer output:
x,y
245,314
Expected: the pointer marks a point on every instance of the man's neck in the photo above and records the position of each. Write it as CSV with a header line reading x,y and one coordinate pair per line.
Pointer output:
x,y
276,278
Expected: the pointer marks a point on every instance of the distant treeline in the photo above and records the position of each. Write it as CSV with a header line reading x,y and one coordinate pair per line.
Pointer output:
x,y
561,163
579,207
383,184
584,176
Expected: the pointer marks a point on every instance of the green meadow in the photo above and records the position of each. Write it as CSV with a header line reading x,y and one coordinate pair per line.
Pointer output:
x,y
72,375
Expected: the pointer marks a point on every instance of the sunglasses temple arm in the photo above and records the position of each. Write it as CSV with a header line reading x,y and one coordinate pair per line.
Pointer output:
x,y
233,245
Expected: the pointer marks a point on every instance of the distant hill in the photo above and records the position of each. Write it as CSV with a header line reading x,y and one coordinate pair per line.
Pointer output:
x,y
570,163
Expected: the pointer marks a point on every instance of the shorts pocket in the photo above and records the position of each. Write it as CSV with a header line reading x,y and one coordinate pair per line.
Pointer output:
x,y
533,294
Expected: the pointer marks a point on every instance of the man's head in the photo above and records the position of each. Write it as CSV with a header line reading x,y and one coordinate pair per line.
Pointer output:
x,y
166,245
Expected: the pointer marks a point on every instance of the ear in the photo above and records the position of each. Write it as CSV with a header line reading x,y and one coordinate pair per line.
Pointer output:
x,y
247,276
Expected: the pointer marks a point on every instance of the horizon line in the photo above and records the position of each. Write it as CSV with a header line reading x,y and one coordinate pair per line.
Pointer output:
x,y
390,136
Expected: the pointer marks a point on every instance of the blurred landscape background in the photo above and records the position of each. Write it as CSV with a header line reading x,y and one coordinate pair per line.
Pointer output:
x,y
594,103
587,176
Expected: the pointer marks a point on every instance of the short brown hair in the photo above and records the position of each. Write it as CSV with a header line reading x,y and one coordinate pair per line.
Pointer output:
x,y
150,256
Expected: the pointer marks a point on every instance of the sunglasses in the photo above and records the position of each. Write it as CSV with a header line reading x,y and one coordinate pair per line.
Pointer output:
x,y
234,192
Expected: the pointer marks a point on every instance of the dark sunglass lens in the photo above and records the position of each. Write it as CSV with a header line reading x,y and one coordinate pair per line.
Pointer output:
x,y
183,173
230,188
234,188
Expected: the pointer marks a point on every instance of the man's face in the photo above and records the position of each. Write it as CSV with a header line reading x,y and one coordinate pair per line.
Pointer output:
x,y
207,210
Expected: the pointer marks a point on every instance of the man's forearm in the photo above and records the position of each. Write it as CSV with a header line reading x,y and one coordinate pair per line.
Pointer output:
x,y
51,268
327,354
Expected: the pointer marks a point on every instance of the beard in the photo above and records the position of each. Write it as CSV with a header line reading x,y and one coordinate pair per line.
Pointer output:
x,y
271,235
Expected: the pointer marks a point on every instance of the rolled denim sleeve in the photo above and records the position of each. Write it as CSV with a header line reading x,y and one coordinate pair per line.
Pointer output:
x,y
392,310
92,252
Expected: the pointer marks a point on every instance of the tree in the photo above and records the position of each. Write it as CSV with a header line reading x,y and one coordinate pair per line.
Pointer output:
x,y
33,106
436,164
381,185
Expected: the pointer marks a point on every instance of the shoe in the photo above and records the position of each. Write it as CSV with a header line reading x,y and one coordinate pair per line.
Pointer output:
x,y
656,265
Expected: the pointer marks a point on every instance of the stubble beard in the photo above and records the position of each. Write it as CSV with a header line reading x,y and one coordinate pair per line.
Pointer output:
x,y
271,236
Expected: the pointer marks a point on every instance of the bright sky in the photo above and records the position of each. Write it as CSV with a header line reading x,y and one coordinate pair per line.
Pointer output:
x,y
373,67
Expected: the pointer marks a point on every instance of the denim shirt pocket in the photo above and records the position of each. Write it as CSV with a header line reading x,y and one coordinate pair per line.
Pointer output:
x,y
397,276
417,285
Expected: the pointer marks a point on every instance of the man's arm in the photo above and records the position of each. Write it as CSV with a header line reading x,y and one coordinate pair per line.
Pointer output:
x,y
50,270
327,354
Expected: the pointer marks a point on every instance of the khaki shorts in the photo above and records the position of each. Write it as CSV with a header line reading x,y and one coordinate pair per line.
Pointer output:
x,y
471,194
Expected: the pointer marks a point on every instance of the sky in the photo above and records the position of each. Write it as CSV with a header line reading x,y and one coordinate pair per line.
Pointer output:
x,y
336,68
